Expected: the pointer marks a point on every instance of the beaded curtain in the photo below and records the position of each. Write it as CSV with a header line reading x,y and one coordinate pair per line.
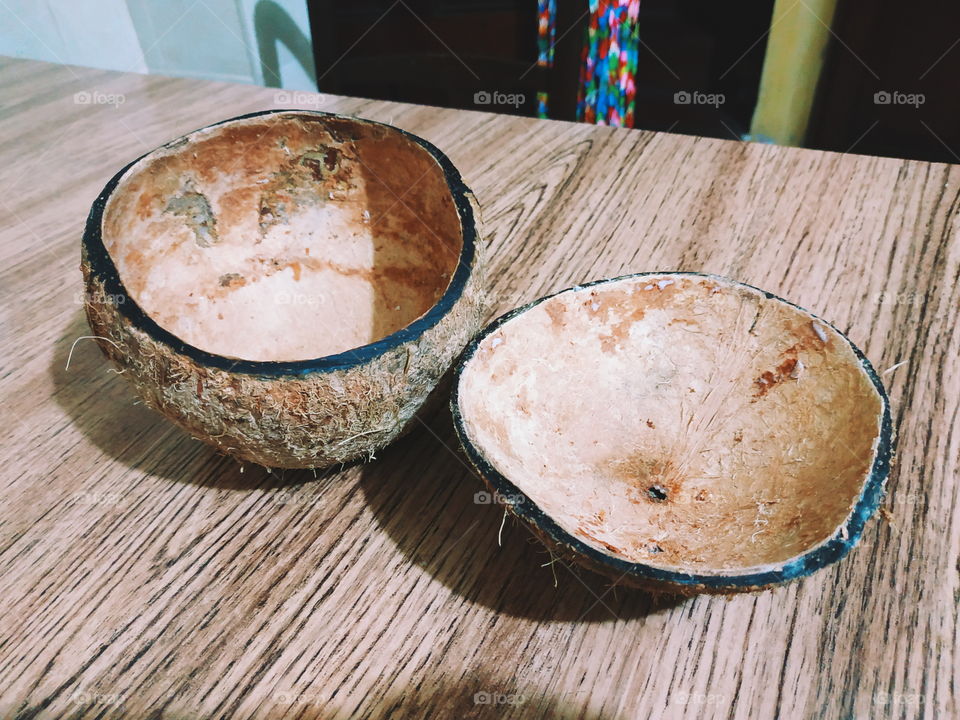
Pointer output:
x,y
607,91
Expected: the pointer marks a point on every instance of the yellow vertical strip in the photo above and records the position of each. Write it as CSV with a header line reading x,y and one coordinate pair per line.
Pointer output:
x,y
799,32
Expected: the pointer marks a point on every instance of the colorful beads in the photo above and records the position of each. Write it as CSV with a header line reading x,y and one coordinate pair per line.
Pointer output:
x,y
608,90
546,37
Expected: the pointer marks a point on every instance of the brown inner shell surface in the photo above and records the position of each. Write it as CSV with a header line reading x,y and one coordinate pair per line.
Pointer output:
x,y
285,237
684,422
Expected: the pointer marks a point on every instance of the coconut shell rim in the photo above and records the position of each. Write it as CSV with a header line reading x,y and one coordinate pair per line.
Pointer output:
x,y
824,553
103,268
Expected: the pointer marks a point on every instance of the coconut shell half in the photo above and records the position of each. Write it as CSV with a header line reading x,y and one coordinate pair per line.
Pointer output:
x,y
287,286
682,432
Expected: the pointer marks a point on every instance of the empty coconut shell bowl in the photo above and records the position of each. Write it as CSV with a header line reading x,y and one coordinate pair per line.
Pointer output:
x,y
291,286
287,286
677,431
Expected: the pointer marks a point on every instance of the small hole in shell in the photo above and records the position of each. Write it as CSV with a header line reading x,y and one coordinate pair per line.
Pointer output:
x,y
656,493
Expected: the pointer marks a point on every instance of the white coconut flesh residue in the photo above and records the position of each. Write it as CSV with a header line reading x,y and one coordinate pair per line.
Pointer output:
x,y
797,370
894,367
659,284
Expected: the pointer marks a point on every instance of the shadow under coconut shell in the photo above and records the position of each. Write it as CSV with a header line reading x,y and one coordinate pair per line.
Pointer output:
x,y
107,410
420,490
423,494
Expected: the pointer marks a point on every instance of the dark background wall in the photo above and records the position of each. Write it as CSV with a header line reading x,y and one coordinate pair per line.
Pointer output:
x,y
888,87
443,52
910,49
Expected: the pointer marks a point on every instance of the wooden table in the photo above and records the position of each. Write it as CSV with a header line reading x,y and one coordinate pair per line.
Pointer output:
x,y
141,572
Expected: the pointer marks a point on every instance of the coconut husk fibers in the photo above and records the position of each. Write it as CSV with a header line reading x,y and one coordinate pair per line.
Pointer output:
x,y
677,431
205,234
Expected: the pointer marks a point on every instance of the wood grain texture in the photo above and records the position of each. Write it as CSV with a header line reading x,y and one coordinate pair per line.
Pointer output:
x,y
144,576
